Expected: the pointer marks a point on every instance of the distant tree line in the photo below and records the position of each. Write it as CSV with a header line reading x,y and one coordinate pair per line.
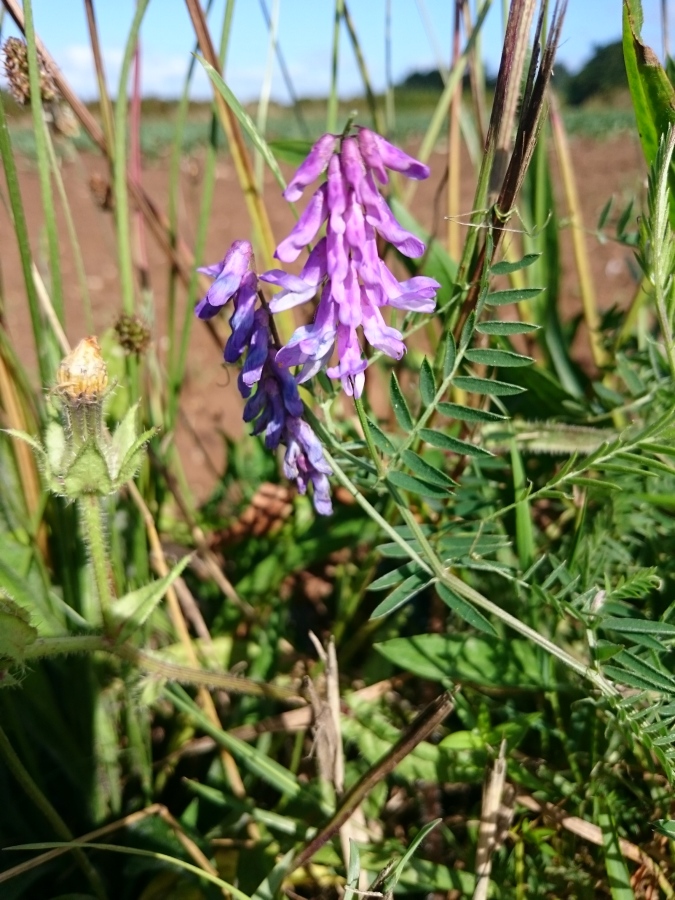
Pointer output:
x,y
602,75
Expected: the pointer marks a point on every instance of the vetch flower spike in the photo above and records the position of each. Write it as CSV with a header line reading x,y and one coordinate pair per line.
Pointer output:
x,y
273,405
345,267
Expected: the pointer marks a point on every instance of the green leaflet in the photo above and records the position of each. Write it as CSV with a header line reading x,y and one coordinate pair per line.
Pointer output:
x,y
512,295
497,327
427,383
487,386
505,268
490,357
416,485
464,609
401,594
399,405
445,442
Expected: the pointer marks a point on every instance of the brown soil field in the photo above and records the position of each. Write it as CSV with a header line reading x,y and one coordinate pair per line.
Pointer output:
x,y
211,406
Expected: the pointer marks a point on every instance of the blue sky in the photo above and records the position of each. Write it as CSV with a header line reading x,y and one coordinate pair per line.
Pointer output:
x,y
421,32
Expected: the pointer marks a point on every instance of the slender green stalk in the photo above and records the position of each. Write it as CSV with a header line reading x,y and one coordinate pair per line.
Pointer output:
x,y
56,284
331,121
33,792
178,361
95,538
265,91
375,111
42,341
146,854
72,234
122,217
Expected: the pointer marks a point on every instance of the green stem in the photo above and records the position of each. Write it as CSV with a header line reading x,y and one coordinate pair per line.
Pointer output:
x,y
72,233
33,792
331,124
372,449
47,648
43,341
122,218
94,535
56,281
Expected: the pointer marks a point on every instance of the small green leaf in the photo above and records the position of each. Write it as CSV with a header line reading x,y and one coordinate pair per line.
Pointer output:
x,y
638,626
467,413
467,331
615,864
445,442
353,870
427,383
392,880
135,607
487,386
399,405
505,268
604,215
380,439
464,609
597,483
450,355
502,358
400,595
424,470
416,486
665,827
512,295
498,327
396,576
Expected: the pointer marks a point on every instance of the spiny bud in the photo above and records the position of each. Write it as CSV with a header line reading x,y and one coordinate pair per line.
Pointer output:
x,y
82,377
16,69
82,457
132,333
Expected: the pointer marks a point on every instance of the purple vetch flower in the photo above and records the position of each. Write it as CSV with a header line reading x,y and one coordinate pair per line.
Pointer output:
x,y
379,155
311,168
273,404
345,268
305,228
304,462
297,289
229,274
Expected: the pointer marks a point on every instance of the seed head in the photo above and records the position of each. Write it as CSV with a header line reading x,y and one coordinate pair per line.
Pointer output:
x,y
82,377
133,334
16,69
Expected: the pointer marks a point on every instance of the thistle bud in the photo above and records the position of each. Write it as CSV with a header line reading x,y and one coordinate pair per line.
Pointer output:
x,y
81,456
82,377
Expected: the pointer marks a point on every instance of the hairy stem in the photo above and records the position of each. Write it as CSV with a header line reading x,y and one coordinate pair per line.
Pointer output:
x,y
94,535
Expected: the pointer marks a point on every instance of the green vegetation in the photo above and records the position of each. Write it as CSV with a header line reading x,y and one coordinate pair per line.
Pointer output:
x,y
461,682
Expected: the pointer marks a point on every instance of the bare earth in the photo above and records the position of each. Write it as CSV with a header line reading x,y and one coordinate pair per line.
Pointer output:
x,y
211,405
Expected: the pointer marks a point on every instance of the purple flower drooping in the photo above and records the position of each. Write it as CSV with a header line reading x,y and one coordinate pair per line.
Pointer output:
x,y
273,403
345,267
229,274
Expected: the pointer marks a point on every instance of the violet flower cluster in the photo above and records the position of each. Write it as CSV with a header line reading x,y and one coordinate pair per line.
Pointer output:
x,y
353,283
345,267
274,407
